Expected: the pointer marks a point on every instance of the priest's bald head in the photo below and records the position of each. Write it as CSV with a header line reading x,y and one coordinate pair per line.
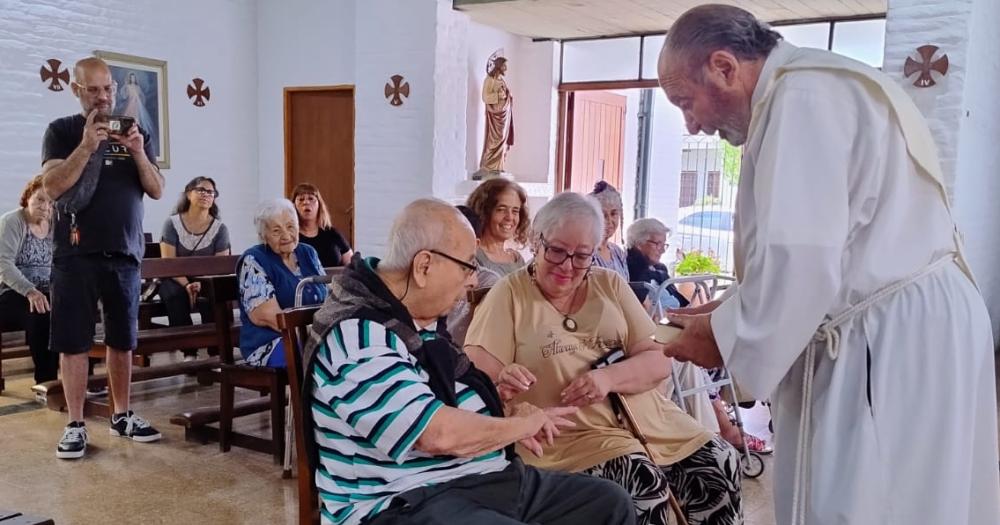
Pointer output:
x,y
709,66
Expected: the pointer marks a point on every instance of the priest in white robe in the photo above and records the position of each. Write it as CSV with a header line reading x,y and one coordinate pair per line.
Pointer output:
x,y
855,311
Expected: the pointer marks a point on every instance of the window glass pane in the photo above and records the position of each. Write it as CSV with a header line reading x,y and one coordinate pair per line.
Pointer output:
x,y
806,35
651,54
607,59
863,40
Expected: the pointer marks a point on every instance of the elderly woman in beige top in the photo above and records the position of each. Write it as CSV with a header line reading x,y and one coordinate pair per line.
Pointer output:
x,y
538,333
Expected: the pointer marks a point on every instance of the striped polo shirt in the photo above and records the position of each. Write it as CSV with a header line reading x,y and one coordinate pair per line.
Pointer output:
x,y
371,401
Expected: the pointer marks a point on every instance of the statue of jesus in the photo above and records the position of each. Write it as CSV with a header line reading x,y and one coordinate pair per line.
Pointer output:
x,y
499,119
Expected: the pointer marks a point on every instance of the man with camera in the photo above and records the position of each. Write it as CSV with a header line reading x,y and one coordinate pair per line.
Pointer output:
x,y
97,167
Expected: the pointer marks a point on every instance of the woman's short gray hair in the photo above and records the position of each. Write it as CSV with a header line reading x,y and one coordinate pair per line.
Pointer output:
x,y
642,229
422,225
566,208
269,211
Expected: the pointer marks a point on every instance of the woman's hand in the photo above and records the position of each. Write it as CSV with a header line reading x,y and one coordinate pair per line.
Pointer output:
x,y
514,379
37,302
193,288
588,389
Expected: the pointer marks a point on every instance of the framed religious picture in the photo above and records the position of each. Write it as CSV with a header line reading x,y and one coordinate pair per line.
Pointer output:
x,y
141,93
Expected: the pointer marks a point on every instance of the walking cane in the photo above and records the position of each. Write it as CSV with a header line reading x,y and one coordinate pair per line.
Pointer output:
x,y
626,413
621,407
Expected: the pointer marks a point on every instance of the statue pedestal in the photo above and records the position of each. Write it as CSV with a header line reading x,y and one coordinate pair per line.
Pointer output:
x,y
482,174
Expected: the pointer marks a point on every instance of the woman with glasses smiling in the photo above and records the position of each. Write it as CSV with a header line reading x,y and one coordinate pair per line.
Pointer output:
x,y
195,229
539,331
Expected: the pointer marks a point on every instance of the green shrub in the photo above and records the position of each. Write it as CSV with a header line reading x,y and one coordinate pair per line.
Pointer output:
x,y
697,263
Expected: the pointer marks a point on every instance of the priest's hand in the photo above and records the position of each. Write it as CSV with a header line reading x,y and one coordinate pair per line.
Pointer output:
x,y
696,342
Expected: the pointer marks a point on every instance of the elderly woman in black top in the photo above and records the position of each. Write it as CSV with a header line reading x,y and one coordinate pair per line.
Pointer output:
x,y
647,240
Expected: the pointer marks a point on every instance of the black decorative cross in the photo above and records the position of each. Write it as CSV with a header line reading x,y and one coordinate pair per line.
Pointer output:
x,y
925,66
53,76
397,90
198,92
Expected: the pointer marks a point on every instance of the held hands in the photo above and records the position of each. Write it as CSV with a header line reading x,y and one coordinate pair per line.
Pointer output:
x,y
93,133
590,388
193,288
514,379
37,302
546,424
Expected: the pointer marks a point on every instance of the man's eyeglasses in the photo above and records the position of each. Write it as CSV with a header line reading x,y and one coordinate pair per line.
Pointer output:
x,y
94,90
470,268
206,191
556,255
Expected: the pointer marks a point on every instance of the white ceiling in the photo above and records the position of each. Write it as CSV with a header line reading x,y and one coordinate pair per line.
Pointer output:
x,y
561,19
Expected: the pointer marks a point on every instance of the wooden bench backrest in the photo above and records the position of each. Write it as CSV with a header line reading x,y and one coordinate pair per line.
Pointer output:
x,y
294,324
160,268
222,292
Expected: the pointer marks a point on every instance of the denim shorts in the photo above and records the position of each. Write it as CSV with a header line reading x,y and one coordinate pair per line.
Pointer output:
x,y
78,282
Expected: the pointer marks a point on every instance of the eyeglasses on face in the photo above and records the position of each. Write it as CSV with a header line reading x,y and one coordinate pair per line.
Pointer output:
x,y
556,255
206,191
95,90
658,245
470,268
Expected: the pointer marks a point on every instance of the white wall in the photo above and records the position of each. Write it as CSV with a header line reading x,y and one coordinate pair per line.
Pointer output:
x,y
961,110
299,43
532,76
216,140
977,184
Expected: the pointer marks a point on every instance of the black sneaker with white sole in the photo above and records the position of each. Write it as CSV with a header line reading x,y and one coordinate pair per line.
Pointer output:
x,y
74,441
133,427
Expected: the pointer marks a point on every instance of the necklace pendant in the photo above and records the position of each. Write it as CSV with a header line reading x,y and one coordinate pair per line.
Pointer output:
x,y
569,324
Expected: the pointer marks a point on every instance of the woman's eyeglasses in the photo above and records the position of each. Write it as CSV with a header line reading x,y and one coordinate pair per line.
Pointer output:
x,y
556,255
206,191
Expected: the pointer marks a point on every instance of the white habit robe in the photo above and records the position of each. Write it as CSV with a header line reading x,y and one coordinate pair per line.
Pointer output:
x,y
832,208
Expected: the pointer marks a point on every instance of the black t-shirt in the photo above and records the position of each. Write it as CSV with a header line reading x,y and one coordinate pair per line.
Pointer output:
x,y
112,222
330,245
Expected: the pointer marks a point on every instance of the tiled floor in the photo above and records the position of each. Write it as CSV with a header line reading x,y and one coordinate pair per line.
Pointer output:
x,y
173,481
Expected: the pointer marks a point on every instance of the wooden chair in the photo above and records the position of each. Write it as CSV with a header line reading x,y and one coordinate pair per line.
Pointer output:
x,y
223,291
294,324
474,297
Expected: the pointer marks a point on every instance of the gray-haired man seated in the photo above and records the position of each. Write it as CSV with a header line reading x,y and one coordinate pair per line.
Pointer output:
x,y
405,428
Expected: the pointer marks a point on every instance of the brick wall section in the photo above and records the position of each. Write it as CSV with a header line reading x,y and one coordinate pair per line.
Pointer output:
x,y
961,111
212,40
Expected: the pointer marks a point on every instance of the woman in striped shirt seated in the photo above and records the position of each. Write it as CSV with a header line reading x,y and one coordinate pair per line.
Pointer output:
x,y
404,428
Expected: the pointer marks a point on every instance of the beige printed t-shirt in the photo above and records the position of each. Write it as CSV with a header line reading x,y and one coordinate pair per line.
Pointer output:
x,y
516,324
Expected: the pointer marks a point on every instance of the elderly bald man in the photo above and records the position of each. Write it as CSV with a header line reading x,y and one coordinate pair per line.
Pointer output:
x,y
854,304
406,429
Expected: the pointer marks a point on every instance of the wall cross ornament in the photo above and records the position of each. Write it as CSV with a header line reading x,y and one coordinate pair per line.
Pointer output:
x,y
397,90
925,65
53,75
198,91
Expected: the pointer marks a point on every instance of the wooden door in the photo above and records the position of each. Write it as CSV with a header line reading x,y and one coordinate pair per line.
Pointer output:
x,y
319,148
597,147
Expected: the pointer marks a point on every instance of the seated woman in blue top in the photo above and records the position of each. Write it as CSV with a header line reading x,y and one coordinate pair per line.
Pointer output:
x,y
268,274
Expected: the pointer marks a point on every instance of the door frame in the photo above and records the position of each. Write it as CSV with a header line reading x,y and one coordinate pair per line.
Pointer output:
x,y
287,94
